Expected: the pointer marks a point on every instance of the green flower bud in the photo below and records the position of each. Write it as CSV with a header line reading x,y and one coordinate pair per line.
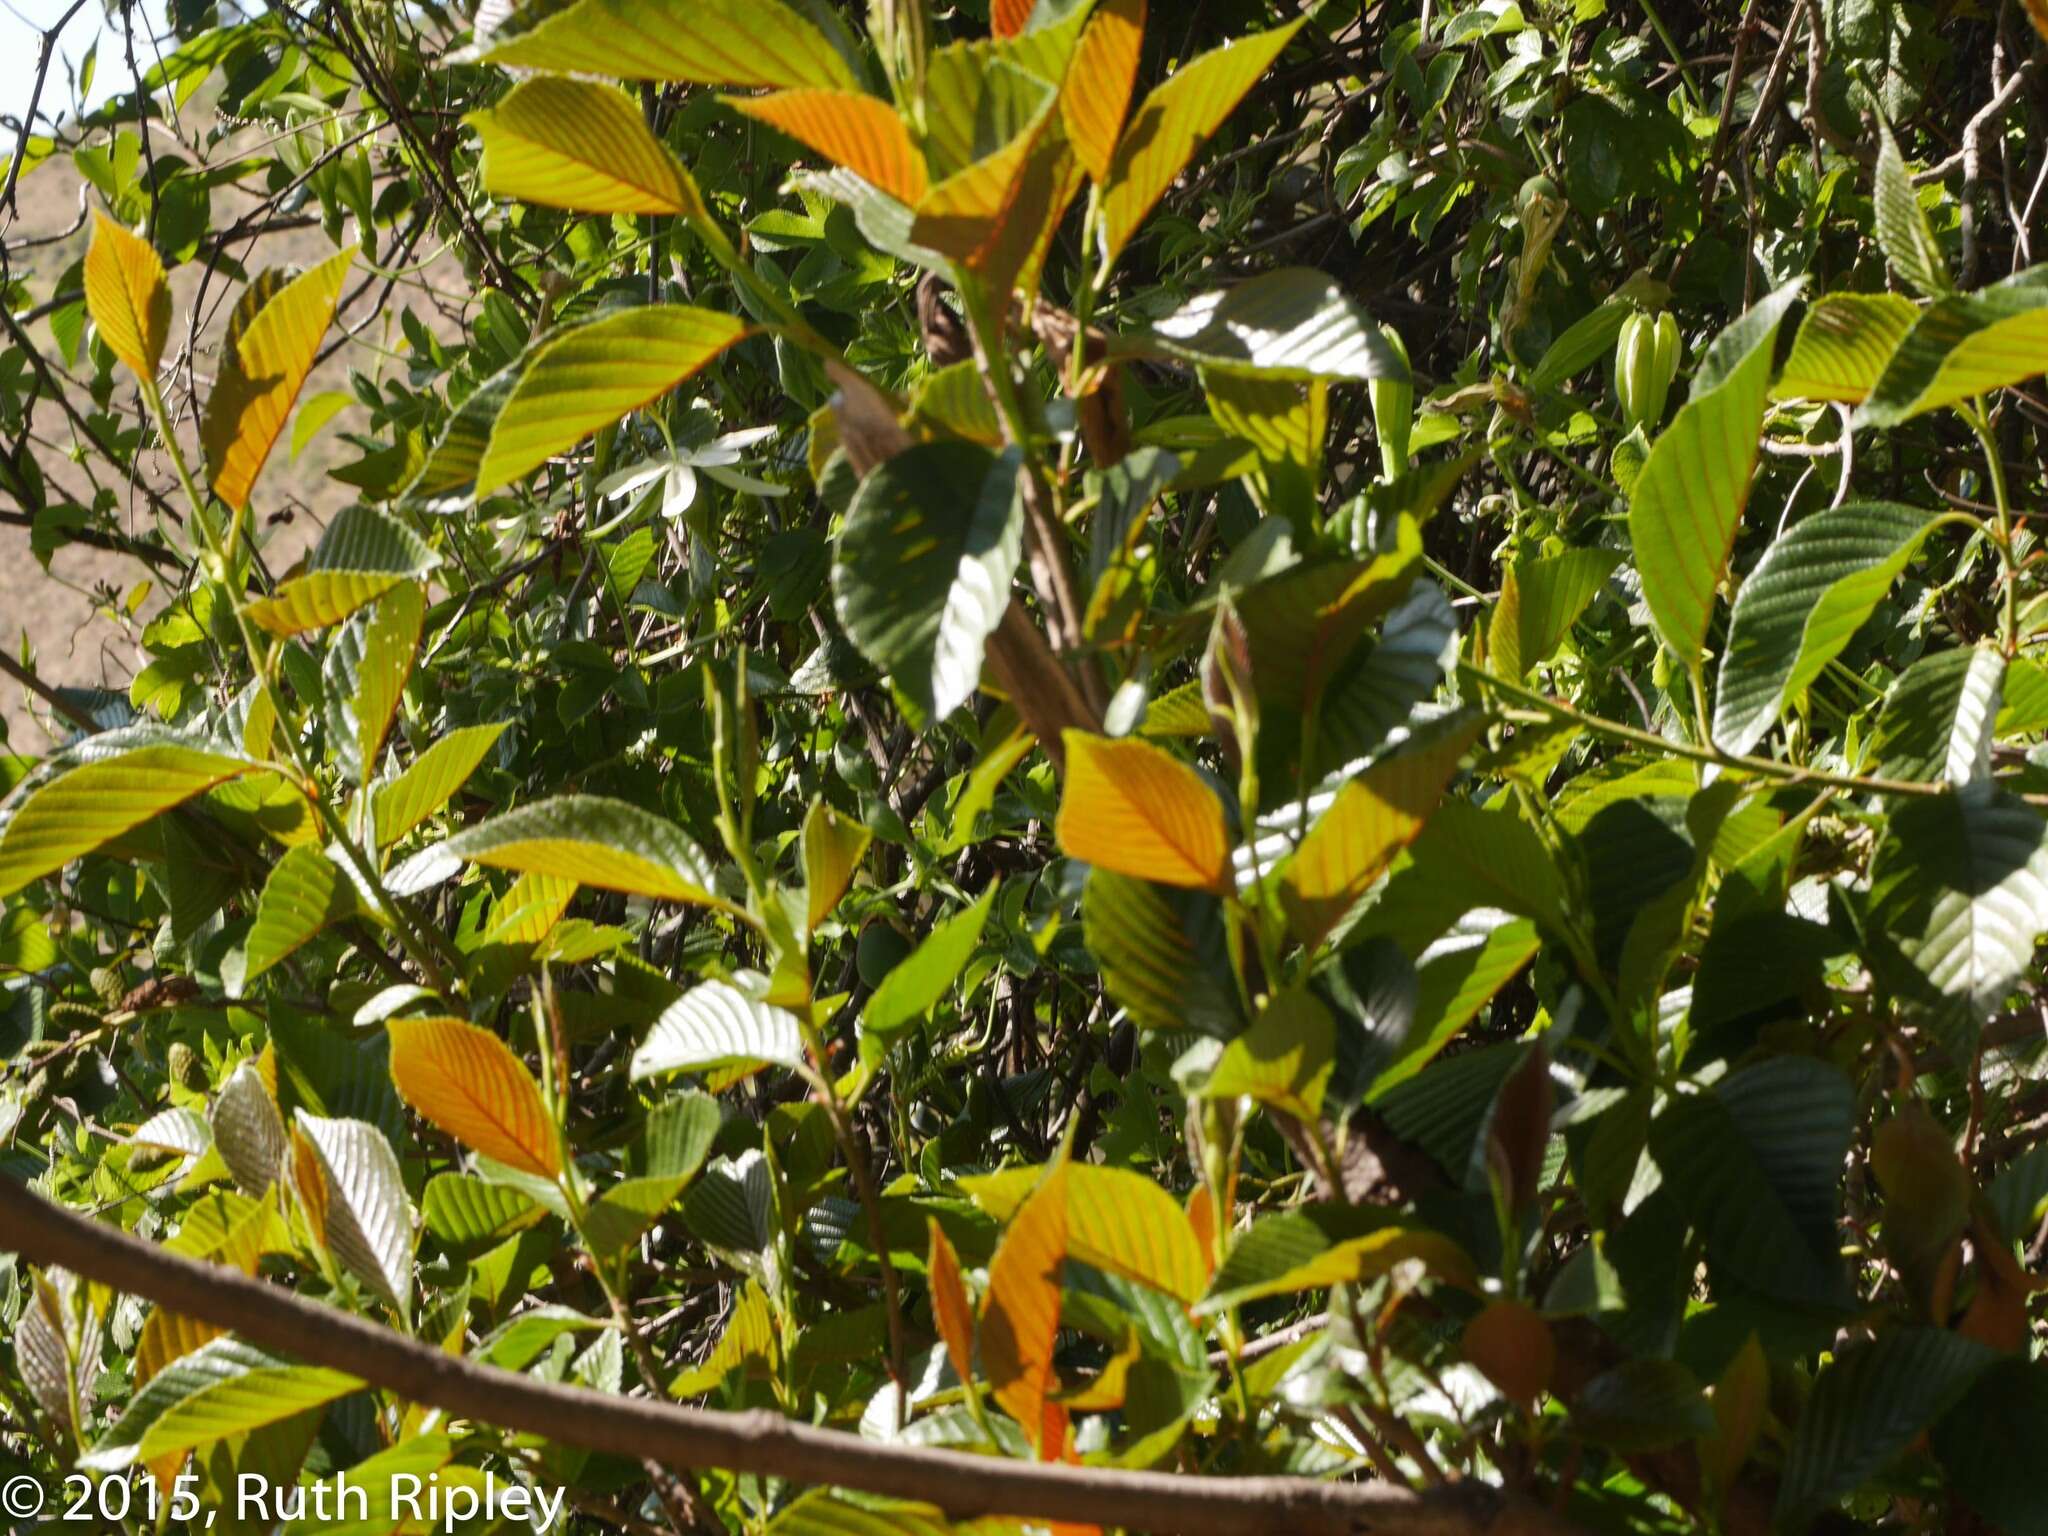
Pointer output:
x,y
1393,411
1645,363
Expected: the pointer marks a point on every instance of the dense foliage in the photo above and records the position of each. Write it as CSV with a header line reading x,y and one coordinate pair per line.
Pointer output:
x,y
1255,740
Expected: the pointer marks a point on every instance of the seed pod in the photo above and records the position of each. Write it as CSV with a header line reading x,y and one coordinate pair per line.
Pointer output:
x,y
1393,411
1645,363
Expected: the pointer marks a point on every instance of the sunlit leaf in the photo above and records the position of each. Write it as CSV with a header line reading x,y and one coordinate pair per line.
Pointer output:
x,y
1688,500
367,1218
118,781
1171,123
917,983
270,348
1843,345
1020,1311
1100,82
1116,1220
468,1082
1135,809
594,841
1963,346
705,42
361,556
715,1024
832,849
577,144
593,375
305,893
128,296
434,776
863,133
225,1388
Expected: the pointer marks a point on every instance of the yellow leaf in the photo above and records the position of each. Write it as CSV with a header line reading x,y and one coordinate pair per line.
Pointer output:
x,y
1020,1315
1098,89
467,1081
270,350
127,295
1117,1220
950,1307
1134,809
849,128
1372,819
577,144
701,42
832,849
1172,122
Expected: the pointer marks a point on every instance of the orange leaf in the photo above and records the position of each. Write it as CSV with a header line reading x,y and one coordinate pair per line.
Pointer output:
x,y
1098,89
1020,1315
1202,1217
467,1081
1131,808
1008,17
271,348
950,1307
1512,1347
127,295
849,128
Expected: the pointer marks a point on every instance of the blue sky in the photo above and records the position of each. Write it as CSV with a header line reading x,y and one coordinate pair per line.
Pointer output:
x,y
21,22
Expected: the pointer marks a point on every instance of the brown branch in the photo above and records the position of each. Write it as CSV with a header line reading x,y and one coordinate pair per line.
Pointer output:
x,y
46,693
759,1441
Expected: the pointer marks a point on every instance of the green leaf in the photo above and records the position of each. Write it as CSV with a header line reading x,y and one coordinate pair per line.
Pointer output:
x,y
452,463
1869,1405
1161,953
1803,603
1584,342
1455,977
1902,224
1468,858
366,1218
1295,323
1939,716
1540,600
924,976
832,849
273,338
223,1388
403,803
465,1212
1448,1110
305,893
1171,123
593,841
1284,1059
706,42
589,377
364,675
1116,1220
1314,1247
924,563
1689,497
580,145
361,556
1843,345
109,784
1757,1163
1958,898
1643,1405
715,1024
1989,1445
1963,346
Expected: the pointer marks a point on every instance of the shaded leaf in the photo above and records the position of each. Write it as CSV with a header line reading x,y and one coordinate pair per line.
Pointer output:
x,y
915,985
922,570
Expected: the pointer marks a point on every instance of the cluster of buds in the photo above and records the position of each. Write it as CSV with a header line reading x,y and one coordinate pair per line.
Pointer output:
x,y
1645,363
